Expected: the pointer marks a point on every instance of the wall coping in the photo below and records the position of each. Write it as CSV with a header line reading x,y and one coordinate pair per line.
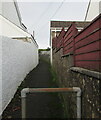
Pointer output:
x,y
86,72
58,49
70,53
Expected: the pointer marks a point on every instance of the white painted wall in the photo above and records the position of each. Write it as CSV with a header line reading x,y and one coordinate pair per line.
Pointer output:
x,y
0,7
9,11
18,59
0,75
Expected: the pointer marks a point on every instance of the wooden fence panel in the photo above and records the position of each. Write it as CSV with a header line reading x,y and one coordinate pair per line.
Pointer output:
x,y
68,43
91,56
85,40
91,65
89,29
60,39
54,43
87,46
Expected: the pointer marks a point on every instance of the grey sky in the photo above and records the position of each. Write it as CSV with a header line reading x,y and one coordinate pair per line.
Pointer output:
x,y
37,15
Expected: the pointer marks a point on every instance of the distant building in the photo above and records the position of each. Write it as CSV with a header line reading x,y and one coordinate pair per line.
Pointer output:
x,y
56,27
93,10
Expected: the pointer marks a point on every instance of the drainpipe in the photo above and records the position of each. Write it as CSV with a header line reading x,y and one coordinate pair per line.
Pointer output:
x,y
35,90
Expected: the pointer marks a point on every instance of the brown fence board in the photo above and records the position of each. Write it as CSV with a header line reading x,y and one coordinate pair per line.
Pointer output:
x,y
92,65
89,56
95,46
87,46
68,43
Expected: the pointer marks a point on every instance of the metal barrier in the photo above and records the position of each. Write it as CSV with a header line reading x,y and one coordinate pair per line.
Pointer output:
x,y
45,90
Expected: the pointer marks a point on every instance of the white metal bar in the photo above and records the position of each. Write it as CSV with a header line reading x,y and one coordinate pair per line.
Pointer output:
x,y
35,90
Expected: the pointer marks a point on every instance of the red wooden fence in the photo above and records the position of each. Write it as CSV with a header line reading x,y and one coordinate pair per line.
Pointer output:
x,y
86,45
54,43
68,43
60,39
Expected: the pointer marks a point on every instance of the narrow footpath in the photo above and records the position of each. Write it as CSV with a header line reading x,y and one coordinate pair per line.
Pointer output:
x,y
39,105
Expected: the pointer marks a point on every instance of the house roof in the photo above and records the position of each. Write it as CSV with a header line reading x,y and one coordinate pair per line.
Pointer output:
x,y
68,23
18,11
19,15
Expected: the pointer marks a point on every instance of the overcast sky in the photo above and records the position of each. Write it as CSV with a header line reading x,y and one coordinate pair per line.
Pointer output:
x,y
37,15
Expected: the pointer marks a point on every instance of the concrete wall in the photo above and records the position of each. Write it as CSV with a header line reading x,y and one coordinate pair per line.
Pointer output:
x,y
18,59
88,81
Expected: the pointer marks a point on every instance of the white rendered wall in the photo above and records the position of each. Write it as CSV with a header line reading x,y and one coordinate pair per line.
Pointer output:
x,y
0,76
18,59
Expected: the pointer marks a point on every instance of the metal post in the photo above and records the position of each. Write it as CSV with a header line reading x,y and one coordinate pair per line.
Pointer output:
x,y
78,107
36,90
23,108
0,117
23,100
78,90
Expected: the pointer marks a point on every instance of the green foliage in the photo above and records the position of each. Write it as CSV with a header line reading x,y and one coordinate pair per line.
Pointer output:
x,y
48,49
60,95
54,74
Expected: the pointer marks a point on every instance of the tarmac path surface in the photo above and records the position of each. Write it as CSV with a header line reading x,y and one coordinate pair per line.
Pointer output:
x,y
42,105
38,105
